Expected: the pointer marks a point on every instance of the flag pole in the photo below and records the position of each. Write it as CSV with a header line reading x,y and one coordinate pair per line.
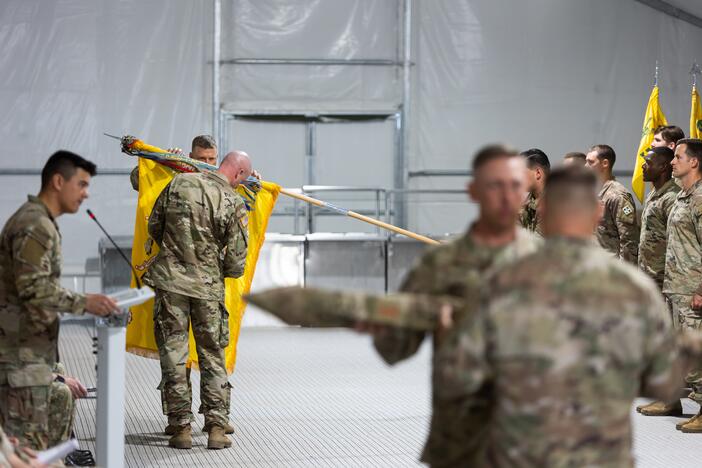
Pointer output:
x,y
694,71
655,77
360,217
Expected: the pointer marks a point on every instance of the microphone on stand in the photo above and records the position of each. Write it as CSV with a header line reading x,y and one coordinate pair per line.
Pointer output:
x,y
131,267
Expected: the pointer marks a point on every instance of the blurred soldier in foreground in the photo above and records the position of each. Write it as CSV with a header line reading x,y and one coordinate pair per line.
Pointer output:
x,y
31,298
566,339
200,225
618,230
575,158
682,285
538,167
459,269
203,148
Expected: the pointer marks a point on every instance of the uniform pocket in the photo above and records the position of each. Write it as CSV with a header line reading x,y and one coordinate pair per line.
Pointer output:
x,y
223,326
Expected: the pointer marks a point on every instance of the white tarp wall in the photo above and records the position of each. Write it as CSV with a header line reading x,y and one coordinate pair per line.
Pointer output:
x,y
555,74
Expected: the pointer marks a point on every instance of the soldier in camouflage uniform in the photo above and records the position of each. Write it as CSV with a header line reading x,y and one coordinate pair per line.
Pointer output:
x,y
566,338
203,148
618,231
538,167
458,269
200,225
682,285
31,298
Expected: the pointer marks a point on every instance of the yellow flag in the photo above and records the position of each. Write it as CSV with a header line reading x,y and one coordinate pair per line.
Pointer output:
x,y
652,118
153,178
695,115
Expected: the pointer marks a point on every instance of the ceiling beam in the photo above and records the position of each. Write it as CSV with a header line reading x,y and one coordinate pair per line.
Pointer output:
x,y
675,12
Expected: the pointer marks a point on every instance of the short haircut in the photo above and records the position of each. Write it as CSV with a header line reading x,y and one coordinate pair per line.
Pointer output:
x,y
492,152
663,151
693,148
572,184
605,152
536,158
65,163
670,133
576,155
204,142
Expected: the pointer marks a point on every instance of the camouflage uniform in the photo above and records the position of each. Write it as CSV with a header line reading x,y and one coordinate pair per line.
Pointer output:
x,y
200,224
31,298
62,408
683,268
654,220
618,231
455,269
583,334
528,217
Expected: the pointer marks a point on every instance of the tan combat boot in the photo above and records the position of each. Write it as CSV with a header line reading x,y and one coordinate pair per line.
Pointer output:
x,y
182,438
692,425
170,429
217,439
661,408
228,428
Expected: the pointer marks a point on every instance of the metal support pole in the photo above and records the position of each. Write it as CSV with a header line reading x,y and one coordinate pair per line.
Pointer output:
x,y
310,166
404,119
112,336
216,56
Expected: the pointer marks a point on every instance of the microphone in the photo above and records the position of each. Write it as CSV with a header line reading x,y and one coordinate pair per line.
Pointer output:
x,y
131,267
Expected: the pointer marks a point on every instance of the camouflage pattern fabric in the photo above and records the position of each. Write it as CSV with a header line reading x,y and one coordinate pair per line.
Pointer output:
x,y
654,221
457,269
200,225
582,334
684,318
31,298
618,231
210,323
683,259
528,217
62,409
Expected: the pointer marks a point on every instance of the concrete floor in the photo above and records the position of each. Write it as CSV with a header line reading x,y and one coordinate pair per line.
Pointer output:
x,y
311,398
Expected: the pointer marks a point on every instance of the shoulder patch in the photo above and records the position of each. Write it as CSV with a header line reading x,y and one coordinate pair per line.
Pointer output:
x,y
627,210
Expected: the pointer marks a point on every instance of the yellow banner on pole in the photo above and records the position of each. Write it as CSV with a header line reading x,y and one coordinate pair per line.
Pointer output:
x,y
153,178
652,118
695,115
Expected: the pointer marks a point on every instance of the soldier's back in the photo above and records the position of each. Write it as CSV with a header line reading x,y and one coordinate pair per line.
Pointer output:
x,y
568,334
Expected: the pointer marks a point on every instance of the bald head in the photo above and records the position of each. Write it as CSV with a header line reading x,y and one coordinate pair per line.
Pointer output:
x,y
236,167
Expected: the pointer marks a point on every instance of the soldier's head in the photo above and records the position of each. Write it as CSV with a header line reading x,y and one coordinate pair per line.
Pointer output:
x,y
574,158
667,135
498,185
570,206
65,179
687,162
656,165
236,167
601,159
538,167
204,148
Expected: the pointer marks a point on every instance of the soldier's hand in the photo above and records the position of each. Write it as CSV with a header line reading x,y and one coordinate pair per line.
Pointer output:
x,y
696,302
445,321
256,174
100,305
175,150
78,390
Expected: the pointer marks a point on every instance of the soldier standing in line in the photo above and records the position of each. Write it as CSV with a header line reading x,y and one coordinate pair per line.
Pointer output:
x,y
574,157
653,242
538,167
459,269
667,136
618,231
682,284
31,298
566,338
200,225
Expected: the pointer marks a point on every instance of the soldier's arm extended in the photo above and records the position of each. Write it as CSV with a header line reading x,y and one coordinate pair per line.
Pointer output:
x,y
157,218
628,229
34,251
396,344
237,237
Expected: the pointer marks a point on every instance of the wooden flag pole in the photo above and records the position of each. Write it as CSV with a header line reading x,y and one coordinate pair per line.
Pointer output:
x,y
360,217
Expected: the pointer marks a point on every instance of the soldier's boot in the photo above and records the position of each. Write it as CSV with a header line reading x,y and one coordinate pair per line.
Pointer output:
x,y
170,430
182,439
217,439
228,428
693,425
661,408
